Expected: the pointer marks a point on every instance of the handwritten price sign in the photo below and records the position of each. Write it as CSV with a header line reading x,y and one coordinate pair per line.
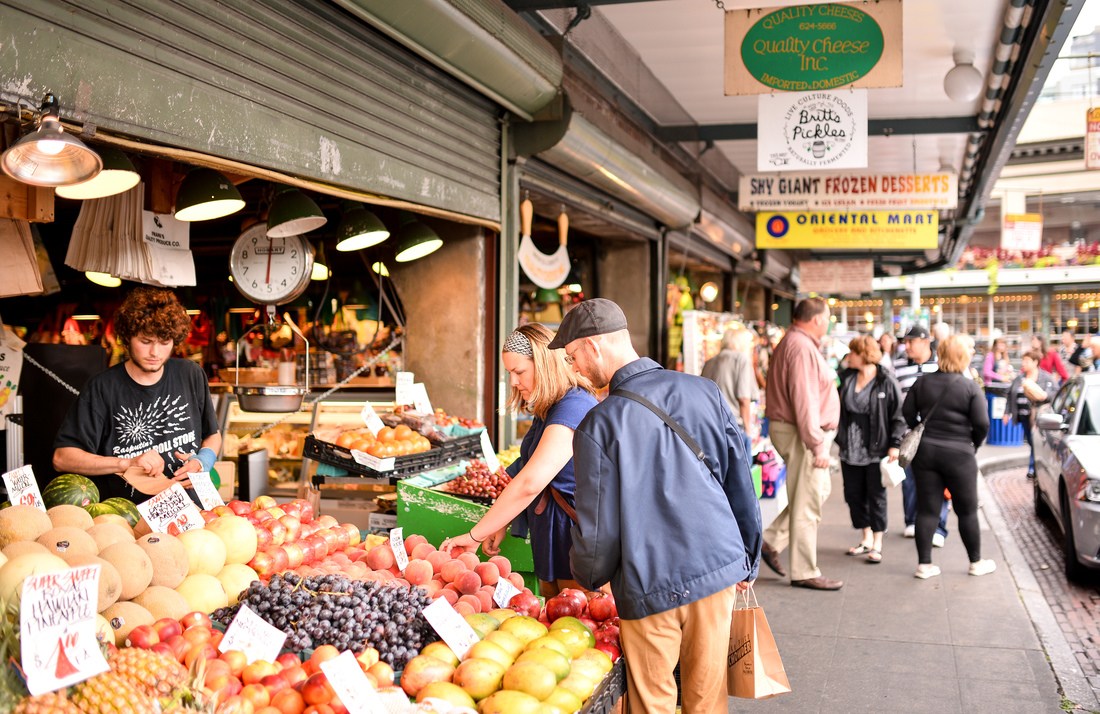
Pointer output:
x,y
171,511
252,635
23,488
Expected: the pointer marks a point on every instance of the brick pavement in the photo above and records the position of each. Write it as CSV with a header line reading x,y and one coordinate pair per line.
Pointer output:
x,y
1076,607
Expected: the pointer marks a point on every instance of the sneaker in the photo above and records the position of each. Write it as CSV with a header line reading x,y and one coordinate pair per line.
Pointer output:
x,y
982,567
937,540
910,531
927,570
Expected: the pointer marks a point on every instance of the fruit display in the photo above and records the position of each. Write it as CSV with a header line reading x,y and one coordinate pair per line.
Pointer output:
x,y
390,441
73,489
478,480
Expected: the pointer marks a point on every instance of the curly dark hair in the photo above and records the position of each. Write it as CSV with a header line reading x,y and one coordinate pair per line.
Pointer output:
x,y
154,312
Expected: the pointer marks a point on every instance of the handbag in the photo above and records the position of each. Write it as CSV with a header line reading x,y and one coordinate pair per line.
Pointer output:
x,y
891,472
754,669
907,450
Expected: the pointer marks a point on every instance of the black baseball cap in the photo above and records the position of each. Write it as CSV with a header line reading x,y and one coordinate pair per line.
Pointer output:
x,y
597,316
917,332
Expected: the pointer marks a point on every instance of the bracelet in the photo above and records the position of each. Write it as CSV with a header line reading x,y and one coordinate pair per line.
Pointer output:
x,y
471,534
206,457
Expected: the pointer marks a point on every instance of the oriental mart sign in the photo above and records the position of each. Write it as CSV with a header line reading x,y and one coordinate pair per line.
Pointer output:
x,y
849,230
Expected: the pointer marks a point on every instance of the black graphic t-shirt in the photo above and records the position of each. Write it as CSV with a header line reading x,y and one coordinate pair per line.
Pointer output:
x,y
116,416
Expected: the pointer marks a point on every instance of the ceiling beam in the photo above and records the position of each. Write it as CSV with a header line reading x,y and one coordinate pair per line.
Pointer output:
x,y
875,127
534,5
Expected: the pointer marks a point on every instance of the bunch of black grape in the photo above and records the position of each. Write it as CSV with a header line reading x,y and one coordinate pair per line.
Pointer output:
x,y
334,610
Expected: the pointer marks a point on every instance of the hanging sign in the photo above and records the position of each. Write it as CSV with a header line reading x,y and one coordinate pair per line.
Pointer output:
x,y
867,230
812,130
11,366
57,629
848,190
547,270
1092,138
168,243
835,277
811,47
23,488
1022,231
171,511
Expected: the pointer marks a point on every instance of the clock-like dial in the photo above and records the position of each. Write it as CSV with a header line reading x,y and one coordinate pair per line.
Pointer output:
x,y
270,271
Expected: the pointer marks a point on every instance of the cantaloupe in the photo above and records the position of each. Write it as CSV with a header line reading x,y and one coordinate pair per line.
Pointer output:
x,y
107,534
23,523
110,582
169,558
235,578
205,552
68,541
69,515
132,564
163,602
22,547
238,535
16,570
203,593
125,616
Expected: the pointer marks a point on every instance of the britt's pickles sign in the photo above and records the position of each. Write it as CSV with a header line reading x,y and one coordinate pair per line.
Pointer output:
x,y
804,48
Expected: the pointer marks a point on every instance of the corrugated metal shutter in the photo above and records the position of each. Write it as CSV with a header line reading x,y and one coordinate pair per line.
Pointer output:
x,y
299,87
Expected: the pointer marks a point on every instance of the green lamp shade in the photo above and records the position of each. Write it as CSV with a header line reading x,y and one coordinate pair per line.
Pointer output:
x,y
359,229
50,157
105,279
206,194
417,241
118,175
292,214
548,295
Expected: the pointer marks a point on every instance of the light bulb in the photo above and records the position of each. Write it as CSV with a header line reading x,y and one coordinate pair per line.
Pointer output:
x,y
51,147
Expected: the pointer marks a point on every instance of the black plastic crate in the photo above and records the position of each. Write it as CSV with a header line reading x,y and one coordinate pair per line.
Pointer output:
x,y
462,447
610,689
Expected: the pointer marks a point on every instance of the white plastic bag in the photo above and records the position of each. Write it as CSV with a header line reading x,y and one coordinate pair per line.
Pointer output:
x,y
892,472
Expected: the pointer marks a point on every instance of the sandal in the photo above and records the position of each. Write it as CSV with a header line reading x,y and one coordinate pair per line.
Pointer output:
x,y
859,549
874,556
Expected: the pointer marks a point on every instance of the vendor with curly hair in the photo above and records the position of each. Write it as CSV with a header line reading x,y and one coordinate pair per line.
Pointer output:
x,y
148,422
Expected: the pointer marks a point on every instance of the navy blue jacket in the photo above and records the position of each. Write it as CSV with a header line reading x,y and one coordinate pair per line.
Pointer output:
x,y
651,518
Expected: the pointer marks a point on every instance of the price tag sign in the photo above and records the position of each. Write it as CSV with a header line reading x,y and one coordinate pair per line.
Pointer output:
x,y
455,631
503,592
397,542
206,490
489,453
371,419
351,685
57,629
23,489
996,409
252,635
372,462
171,511
403,387
421,403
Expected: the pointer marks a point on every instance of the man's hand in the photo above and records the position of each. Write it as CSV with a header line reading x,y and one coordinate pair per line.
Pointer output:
x,y
150,462
187,459
744,585
821,462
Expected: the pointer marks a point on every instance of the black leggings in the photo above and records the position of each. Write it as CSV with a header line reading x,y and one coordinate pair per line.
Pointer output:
x,y
950,465
865,496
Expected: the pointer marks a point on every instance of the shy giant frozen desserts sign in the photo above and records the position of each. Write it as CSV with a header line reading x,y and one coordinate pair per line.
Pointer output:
x,y
812,130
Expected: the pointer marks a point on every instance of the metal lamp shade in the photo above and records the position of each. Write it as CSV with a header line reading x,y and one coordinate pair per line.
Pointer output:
x,y
359,229
118,175
292,214
417,241
206,194
105,279
50,157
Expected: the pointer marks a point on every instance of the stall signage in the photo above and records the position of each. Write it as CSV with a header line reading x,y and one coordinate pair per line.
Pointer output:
x,y
206,490
504,592
251,634
813,47
849,230
1022,231
812,130
351,684
851,191
403,386
421,403
11,366
168,245
23,488
57,629
397,544
450,626
371,419
489,453
835,277
1092,138
372,462
171,511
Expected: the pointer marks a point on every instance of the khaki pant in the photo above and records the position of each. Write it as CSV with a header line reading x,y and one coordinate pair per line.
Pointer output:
x,y
696,635
807,490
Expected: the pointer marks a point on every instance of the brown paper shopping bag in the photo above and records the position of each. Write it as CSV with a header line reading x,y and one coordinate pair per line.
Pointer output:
x,y
754,669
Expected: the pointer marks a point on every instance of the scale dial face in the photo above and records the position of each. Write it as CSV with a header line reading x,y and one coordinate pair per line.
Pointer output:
x,y
270,271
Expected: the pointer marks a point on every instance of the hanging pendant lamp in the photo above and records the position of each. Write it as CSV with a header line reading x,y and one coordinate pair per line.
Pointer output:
x,y
416,240
293,213
118,175
206,194
48,156
359,229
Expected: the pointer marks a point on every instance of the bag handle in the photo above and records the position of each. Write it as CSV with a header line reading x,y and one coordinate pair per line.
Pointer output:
x,y
741,599
672,424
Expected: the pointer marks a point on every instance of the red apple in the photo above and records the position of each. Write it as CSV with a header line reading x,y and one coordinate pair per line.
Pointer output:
x,y
163,648
263,502
525,603
280,559
166,627
294,508
293,527
143,637
208,516
307,514
195,619
601,606
295,555
263,538
355,536
275,683
288,659
327,521
308,529
262,517
332,541
179,646
239,507
263,564
277,530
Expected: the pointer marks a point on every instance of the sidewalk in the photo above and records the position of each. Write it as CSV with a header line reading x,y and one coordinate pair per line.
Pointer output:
x,y
888,642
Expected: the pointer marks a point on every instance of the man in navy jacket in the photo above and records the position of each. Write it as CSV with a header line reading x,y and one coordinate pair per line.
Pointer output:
x,y
675,532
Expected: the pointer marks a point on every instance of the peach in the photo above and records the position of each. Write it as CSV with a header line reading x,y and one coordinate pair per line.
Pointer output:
x,y
432,587
438,559
488,572
449,595
421,550
469,559
464,608
467,583
414,540
380,557
418,572
516,579
451,570
472,600
486,599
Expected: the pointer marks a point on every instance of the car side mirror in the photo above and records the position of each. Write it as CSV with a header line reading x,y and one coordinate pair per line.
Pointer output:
x,y
1051,422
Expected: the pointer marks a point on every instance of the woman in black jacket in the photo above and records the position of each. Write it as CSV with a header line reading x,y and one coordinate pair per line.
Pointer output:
x,y
870,427
946,456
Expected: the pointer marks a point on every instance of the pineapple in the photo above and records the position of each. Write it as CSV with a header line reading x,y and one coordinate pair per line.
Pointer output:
x,y
51,703
111,693
154,674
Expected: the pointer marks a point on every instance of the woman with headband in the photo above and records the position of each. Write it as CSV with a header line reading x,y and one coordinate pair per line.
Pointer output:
x,y
542,485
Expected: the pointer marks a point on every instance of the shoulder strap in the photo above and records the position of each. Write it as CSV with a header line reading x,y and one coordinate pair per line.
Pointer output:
x,y
672,424
933,409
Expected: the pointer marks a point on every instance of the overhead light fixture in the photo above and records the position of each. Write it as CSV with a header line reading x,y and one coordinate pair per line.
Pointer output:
x,y
359,228
105,279
206,194
963,82
118,175
48,156
708,291
379,267
85,312
416,240
293,213
320,264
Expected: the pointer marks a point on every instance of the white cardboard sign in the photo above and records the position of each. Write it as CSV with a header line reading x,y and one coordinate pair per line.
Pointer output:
x,y
351,685
171,511
57,629
254,636
403,387
454,630
420,399
503,592
371,419
489,452
397,542
206,490
372,462
23,488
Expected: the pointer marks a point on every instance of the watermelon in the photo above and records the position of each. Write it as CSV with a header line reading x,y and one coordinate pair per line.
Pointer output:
x,y
125,508
71,489
98,509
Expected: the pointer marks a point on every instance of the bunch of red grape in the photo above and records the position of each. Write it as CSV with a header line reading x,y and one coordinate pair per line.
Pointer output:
x,y
479,481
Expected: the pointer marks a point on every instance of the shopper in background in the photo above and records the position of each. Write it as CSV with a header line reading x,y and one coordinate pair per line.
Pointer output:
x,y
731,369
1067,349
543,484
940,332
1032,385
147,423
803,410
1084,358
870,428
1051,362
946,456
919,360
889,345
996,369
676,533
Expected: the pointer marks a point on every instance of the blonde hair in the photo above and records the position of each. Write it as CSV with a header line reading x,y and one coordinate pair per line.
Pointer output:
x,y
553,377
866,347
954,353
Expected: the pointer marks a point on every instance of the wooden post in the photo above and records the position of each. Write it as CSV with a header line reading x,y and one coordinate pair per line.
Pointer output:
x,y
26,202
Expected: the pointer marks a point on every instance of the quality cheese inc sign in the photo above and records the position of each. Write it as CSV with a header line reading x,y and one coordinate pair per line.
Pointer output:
x,y
849,230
